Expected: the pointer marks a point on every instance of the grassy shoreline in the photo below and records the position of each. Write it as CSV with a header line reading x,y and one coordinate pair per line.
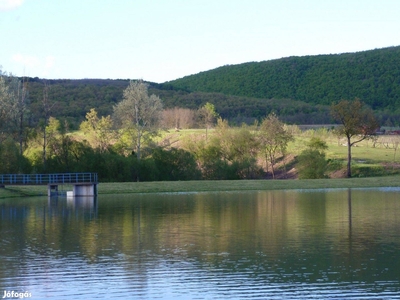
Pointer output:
x,y
213,186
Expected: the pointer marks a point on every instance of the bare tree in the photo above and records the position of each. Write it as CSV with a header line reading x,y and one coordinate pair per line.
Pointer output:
x,y
178,118
186,118
395,139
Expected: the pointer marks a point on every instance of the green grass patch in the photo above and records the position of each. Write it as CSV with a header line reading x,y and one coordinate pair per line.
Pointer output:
x,y
241,185
215,186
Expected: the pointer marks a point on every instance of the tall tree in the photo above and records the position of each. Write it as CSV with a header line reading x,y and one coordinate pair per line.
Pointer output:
x,y
208,115
357,123
274,139
19,109
99,128
13,108
139,111
4,108
47,106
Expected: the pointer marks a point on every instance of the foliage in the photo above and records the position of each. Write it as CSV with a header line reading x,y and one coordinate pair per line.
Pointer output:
x,y
273,138
175,164
357,124
11,160
299,90
371,75
99,128
208,115
139,113
312,163
229,154
13,109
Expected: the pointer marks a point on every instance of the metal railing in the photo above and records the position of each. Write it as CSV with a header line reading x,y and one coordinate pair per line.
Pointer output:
x,y
42,179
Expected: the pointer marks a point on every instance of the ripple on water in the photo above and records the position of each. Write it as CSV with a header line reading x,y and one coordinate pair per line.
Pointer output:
x,y
297,247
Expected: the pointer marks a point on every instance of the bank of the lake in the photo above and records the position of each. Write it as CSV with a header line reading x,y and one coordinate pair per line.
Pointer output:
x,y
212,185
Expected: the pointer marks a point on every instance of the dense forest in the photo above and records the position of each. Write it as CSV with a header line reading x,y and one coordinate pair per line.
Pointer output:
x,y
299,90
373,76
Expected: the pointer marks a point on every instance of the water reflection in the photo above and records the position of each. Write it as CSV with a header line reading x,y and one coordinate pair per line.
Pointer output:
x,y
81,206
298,244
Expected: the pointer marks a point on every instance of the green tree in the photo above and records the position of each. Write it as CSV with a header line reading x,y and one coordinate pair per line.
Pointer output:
x,y
99,128
175,164
13,109
229,154
11,161
140,112
357,124
18,110
239,147
273,138
46,108
4,108
311,162
208,116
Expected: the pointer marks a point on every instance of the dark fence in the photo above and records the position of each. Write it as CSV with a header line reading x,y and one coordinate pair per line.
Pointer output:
x,y
42,179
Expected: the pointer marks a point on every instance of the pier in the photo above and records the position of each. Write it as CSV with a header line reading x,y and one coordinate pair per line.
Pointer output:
x,y
84,184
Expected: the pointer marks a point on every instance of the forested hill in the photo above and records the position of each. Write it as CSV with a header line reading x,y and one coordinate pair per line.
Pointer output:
x,y
373,76
298,89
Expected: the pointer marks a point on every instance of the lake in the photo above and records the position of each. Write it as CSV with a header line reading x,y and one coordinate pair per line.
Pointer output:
x,y
295,244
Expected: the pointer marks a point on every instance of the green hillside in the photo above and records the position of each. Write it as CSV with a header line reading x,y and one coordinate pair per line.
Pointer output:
x,y
299,89
373,76
72,99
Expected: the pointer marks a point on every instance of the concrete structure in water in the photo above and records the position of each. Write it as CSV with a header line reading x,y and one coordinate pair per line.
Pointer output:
x,y
84,184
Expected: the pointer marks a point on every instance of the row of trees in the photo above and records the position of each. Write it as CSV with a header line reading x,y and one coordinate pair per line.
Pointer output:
x,y
121,146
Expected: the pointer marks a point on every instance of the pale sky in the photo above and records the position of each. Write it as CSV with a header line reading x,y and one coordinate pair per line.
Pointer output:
x,y
162,40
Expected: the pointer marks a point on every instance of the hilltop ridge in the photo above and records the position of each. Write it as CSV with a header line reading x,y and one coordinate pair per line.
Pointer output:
x,y
299,89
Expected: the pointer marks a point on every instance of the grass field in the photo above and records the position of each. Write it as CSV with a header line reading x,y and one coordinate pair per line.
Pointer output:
x,y
214,186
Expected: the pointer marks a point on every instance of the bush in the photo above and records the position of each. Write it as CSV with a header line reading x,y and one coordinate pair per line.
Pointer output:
x,y
175,164
311,164
11,161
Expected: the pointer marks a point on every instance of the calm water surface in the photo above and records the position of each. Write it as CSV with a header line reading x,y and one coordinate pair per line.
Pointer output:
x,y
320,244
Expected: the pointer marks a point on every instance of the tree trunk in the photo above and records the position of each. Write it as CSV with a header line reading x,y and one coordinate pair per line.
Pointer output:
x,y
348,157
266,163
139,137
272,158
44,147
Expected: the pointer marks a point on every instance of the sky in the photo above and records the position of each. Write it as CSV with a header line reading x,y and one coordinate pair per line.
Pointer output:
x,y
163,40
